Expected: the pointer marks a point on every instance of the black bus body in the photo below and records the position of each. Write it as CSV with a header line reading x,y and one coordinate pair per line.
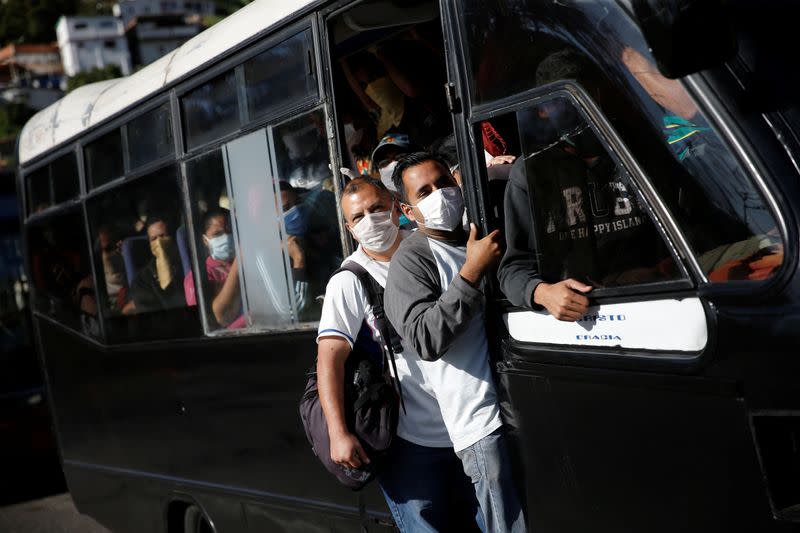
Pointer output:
x,y
168,420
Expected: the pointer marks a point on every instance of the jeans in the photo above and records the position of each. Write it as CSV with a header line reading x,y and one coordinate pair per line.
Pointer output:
x,y
488,464
427,491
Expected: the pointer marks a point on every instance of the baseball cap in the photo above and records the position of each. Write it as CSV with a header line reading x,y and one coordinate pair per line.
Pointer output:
x,y
399,141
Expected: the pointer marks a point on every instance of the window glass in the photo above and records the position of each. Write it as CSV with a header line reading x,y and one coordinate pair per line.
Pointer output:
x,y
103,159
64,173
280,75
218,255
211,110
515,45
40,196
150,136
142,261
54,183
308,204
61,272
570,195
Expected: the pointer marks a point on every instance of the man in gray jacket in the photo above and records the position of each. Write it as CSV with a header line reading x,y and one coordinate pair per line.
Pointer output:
x,y
435,302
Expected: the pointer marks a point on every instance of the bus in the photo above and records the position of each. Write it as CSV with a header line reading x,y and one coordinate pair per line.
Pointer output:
x,y
174,360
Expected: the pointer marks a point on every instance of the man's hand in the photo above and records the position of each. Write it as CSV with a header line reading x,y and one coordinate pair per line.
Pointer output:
x,y
481,255
562,300
346,450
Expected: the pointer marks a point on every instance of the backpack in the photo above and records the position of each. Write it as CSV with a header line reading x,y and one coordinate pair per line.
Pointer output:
x,y
371,403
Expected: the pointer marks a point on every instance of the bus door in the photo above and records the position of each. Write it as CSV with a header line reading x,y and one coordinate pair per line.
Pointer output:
x,y
599,169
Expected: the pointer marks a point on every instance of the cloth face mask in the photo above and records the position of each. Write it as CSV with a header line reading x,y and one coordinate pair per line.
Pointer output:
x,y
442,209
221,247
376,232
386,176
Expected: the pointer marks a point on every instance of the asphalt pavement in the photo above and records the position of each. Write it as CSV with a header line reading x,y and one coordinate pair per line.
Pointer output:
x,y
54,514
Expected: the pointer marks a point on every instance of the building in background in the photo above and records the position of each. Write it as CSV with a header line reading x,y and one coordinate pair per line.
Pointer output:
x,y
87,43
127,10
31,74
152,36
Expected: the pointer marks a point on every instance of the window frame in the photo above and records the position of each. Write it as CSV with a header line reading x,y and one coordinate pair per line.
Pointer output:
x,y
47,162
641,184
703,87
307,18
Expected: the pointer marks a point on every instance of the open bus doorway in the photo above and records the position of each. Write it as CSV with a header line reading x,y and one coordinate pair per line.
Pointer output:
x,y
389,72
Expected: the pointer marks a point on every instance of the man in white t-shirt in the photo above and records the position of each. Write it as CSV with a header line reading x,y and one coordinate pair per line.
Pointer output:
x,y
422,478
435,301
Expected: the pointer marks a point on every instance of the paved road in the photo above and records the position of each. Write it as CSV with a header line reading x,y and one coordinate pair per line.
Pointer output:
x,y
54,514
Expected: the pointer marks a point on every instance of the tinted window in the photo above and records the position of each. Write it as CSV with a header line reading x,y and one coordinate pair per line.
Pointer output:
x,y
138,232
103,159
40,196
281,75
61,273
211,110
54,183
309,206
150,136
218,256
586,219
515,45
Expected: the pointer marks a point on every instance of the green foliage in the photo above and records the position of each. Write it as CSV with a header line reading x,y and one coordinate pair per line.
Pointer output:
x,y
33,21
12,118
90,76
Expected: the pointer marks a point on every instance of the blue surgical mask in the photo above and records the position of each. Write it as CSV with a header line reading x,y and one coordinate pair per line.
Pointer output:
x,y
221,247
295,221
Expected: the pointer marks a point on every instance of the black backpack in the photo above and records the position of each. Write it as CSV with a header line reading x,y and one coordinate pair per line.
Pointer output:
x,y
371,402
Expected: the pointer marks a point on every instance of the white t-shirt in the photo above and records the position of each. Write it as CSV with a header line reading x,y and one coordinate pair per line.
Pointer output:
x,y
343,311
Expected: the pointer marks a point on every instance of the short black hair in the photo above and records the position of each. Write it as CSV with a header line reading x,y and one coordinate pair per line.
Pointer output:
x,y
356,184
213,213
155,219
411,160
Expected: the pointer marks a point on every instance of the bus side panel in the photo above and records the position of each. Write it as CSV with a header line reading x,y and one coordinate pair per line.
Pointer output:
x,y
217,412
689,464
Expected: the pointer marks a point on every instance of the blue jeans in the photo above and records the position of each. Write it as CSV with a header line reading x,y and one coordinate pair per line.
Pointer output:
x,y
427,491
488,464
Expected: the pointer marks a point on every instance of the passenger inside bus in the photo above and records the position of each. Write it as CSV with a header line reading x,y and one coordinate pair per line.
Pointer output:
x,y
157,286
109,249
222,271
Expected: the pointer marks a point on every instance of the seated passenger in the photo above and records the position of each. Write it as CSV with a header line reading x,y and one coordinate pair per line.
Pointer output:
x,y
157,286
222,271
113,267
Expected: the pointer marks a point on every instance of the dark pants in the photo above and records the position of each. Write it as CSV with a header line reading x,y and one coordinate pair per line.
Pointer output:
x,y
427,490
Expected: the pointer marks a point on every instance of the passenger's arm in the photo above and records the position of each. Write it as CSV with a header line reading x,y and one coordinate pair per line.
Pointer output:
x,y
366,101
226,305
398,76
332,352
427,318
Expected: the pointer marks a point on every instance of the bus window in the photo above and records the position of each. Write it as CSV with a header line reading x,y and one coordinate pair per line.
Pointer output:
x,y
61,274
136,230
53,183
103,159
308,204
514,46
150,136
280,76
576,201
217,252
211,110
40,196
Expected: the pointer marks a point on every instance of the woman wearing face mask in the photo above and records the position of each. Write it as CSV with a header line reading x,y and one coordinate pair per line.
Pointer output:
x,y
221,271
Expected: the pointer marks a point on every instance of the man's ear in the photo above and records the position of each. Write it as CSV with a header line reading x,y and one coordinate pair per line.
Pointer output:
x,y
408,211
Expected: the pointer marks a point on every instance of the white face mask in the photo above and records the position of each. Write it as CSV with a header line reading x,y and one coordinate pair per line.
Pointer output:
x,y
442,209
376,232
221,247
386,176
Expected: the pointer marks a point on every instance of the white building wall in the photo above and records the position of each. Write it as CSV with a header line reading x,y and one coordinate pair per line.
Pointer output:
x,y
128,9
92,42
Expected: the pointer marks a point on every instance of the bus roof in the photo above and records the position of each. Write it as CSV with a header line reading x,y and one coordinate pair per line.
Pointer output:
x,y
89,105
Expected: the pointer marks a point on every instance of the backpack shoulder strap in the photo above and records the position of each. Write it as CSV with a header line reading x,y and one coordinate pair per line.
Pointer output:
x,y
375,299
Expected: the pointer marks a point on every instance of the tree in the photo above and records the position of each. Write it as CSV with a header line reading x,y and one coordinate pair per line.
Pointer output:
x,y
33,21
12,118
109,72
